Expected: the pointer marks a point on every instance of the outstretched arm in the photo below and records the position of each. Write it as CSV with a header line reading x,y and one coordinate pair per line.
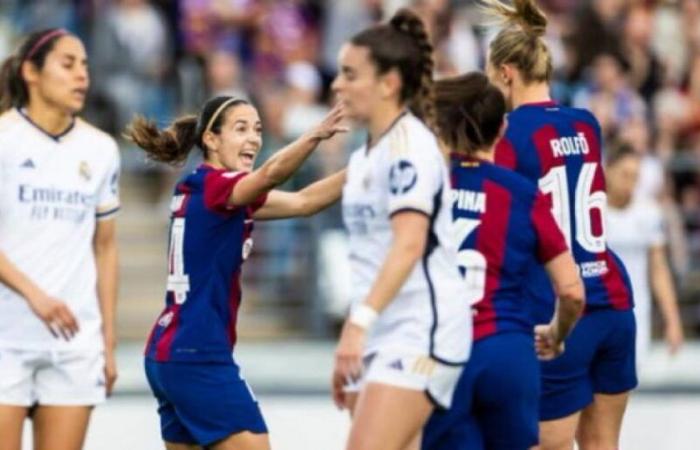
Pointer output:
x,y
278,168
307,202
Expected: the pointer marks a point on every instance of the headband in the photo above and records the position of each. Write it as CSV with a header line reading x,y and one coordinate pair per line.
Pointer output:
x,y
44,39
218,112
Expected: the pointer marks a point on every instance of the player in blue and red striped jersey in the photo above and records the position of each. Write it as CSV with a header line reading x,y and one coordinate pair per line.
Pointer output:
x,y
560,149
203,400
504,226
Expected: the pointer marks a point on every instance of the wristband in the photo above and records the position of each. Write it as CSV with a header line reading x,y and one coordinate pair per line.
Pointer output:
x,y
363,316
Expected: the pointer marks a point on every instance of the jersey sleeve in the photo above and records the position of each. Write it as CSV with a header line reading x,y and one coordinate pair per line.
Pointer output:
x,y
218,186
550,239
108,189
415,176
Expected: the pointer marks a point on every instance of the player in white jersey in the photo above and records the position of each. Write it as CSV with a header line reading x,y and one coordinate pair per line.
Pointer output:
x,y
58,257
409,331
636,232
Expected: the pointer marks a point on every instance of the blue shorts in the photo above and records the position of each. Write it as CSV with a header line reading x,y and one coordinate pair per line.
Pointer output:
x,y
202,403
496,402
599,358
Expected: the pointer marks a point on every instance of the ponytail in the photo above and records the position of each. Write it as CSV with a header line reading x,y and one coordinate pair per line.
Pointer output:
x,y
13,92
423,103
520,43
173,144
403,44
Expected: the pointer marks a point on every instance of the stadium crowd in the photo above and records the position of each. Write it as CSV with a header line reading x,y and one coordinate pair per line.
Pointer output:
x,y
634,63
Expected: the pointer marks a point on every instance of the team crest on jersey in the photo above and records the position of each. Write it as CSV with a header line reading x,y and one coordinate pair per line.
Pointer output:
x,y
84,171
247,248
402,177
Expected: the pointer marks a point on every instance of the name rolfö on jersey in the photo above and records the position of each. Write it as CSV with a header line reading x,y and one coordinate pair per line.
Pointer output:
x,y
560,149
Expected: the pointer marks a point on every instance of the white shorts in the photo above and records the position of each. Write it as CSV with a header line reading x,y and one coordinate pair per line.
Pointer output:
x,y
415,372
66,378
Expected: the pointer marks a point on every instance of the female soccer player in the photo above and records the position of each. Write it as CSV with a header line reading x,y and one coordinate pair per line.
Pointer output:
x,y
203,400
504,226
408,334
636,232
58,256
560,149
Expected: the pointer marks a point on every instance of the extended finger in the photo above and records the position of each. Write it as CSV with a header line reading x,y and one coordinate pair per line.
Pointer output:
x,y
69,319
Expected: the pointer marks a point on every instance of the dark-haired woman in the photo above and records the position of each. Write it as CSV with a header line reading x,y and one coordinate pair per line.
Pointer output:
x,y
203,400
58,256
585,391
504,226
408,335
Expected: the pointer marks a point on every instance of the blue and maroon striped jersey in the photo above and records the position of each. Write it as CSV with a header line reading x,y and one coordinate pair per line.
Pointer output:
x,y
209,241
505,227
559,148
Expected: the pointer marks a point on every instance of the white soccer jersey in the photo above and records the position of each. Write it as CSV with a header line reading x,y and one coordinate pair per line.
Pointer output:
x,y
406,171
52,192
631,232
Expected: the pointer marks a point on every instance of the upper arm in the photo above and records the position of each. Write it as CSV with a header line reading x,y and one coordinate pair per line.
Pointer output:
x,y
415,175
410,230
105,233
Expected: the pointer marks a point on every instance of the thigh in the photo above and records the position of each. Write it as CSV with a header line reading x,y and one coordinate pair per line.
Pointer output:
x,y
11,422
559,434
449,429
613,370
74,378
506,403
601,422
566,381
211,401
172,430
388,417
244,440
60,427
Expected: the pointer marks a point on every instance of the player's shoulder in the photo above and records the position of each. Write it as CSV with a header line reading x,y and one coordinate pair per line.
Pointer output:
x,y
518,185
645,207
100,140
10,120
410,137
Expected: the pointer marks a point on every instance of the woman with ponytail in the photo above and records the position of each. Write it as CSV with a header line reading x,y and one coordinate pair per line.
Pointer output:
x,y
202,398
408,335
58,255
584,391
504,225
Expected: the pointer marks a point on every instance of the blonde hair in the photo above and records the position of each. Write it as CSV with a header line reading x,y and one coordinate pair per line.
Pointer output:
x,y
520,42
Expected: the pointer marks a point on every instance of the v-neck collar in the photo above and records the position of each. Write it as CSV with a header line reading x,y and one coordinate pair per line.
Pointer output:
x,y
54,137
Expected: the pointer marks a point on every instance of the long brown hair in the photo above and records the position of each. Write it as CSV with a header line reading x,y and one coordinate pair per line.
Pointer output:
x,y
34,49
520,43
172,145
403,44
470,112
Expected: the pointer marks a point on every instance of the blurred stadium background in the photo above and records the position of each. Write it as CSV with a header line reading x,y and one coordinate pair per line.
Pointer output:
x,y
634,63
